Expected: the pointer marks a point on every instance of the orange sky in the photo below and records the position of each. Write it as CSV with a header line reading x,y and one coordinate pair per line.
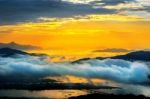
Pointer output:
x,y
79,37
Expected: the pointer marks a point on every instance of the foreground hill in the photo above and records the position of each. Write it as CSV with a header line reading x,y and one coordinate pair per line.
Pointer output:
x,y
109,96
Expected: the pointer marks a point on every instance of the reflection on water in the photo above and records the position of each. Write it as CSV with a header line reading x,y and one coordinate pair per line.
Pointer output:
x,y
127,89
42,94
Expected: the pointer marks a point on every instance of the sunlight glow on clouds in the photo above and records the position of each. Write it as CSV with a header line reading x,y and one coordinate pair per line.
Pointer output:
x,y
30,10
107,17
139,8
78,36
76,27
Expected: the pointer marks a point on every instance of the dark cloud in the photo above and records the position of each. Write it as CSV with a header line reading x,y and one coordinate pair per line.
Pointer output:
x,y
13,11
115,2
111,2
143,8
19,46
146,8
113,50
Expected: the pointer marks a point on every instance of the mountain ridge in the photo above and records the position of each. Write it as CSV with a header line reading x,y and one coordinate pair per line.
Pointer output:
x,y
137,55
10,52
131,56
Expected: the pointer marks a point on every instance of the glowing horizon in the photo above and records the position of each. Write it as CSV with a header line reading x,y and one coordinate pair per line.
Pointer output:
x,y
81,28
79,37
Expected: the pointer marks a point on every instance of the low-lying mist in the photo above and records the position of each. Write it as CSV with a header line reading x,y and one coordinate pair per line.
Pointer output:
x,y
29,67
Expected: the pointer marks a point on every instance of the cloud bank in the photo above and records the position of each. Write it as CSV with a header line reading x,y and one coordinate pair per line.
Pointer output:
x,y
28,67
30,10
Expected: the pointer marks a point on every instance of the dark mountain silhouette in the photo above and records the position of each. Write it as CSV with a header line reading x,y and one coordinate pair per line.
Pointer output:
x,y
49,85
132,56
9,52
17,46
138,55
80,60
86,59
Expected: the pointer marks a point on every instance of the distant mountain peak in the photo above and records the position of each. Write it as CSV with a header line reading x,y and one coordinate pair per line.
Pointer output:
x,y
9,52
15,45
141,55
12,42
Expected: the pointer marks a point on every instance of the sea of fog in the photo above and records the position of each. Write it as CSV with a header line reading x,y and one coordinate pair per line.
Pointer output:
x,y
131,76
